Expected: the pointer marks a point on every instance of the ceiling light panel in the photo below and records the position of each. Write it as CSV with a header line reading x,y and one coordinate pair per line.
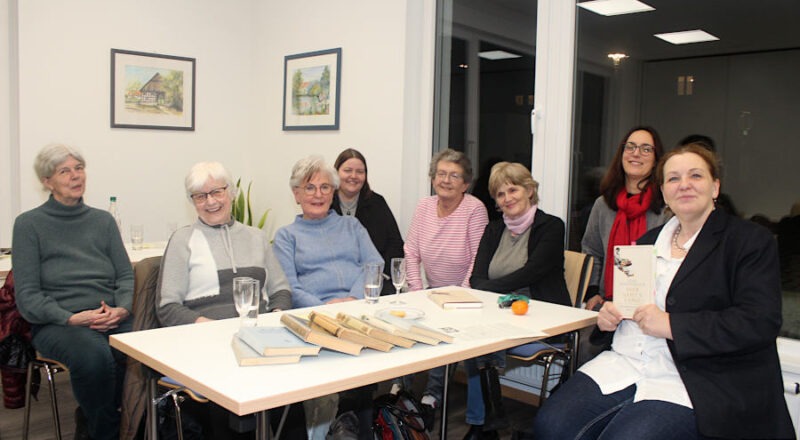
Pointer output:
x,y
687,37
497,55
616,7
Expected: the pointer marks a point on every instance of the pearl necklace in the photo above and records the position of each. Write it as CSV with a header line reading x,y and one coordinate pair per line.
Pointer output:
x,y
675,239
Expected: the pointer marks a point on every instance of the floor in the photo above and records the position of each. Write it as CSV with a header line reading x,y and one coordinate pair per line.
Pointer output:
x,y
520,414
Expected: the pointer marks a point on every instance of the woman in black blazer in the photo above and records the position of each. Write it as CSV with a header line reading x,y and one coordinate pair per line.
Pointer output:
x,y
355,198
521,253
701,361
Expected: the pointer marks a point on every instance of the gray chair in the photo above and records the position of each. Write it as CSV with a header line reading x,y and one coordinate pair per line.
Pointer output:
x,y
577,270
50,368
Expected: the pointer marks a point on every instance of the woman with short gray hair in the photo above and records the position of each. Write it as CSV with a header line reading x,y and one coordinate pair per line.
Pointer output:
x,y
74,285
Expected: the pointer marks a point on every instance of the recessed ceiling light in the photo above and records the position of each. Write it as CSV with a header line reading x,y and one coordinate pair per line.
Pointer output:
x,y
616,7
686,37
497,55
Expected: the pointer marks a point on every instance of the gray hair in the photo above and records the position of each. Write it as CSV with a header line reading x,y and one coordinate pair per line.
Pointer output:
x,y
202,171
457,157
305,169
53,155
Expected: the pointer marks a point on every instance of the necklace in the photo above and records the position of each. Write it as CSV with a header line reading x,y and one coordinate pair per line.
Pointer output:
x,y
348,208
675,239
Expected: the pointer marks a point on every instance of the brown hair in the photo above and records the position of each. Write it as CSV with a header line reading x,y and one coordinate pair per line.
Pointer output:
x,y
514,174
352,153
698,148
614,179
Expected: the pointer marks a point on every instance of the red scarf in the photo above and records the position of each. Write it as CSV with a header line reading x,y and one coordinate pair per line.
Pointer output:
x,y
629,224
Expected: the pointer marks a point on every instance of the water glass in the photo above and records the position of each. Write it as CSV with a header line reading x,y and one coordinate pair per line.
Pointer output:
x,y
246,292
373,279
137,237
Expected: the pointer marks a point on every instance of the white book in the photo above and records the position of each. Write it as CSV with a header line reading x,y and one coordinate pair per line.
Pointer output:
x,y
634,277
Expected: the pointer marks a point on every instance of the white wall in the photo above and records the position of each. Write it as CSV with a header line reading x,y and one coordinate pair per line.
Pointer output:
x,y
239,45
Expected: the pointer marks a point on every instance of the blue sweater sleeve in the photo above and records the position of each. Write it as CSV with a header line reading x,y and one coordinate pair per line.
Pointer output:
x,y
367,254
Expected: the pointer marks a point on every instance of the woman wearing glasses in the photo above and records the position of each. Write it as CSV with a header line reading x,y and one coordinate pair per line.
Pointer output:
x,y
322,253
444,237
629,205
197,271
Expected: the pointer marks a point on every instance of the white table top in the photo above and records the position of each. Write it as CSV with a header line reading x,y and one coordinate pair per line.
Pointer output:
x,y
200,356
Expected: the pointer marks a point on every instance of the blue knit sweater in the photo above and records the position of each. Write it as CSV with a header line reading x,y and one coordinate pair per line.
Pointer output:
x,y
324,259
66,260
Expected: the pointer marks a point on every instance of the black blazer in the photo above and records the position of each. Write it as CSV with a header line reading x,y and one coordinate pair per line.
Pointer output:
x,y
724,308
374,214
543,273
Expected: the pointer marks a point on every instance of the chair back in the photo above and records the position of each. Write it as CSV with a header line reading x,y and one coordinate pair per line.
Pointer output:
x,y
577,270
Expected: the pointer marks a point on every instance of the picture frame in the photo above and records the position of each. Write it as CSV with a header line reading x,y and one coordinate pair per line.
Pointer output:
x,y
311,90
152,91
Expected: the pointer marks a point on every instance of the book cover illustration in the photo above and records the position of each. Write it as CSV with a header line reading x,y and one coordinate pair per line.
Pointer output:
x,y
634,277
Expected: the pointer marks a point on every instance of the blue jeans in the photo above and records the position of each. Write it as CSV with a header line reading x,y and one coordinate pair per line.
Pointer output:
x,y
96,371
475,408
580,411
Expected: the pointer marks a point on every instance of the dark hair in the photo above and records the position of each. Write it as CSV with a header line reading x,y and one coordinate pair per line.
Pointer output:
x,y
352,153
698,148
701,139
614,179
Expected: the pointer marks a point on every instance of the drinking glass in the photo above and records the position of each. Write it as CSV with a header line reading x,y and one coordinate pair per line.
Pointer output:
x,y
137,237
373,277
244,289
398,270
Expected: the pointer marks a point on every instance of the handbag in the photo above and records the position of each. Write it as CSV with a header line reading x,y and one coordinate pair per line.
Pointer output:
x,y
398,417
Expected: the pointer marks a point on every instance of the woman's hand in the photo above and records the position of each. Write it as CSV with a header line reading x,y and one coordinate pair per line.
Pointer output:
x,y
609,317
85,318
202,319
340,300
109,317
594,301
653,321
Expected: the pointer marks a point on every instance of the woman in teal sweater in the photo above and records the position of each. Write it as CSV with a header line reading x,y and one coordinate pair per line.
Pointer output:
x,y
75,286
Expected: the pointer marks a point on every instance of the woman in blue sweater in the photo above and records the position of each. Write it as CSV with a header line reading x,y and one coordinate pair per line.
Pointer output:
x,y
75,286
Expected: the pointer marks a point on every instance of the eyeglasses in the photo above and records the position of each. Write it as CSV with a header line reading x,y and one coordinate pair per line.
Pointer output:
x,y
217,194
442,175
311,189
644,149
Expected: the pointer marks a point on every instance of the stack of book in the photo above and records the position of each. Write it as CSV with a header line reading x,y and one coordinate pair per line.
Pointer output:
x,y
343,333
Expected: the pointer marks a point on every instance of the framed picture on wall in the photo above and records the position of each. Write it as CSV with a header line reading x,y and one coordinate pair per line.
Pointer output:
x,y
311,86
150,90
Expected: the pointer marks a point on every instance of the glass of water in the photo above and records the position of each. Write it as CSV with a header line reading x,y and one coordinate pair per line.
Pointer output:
x,y
373,279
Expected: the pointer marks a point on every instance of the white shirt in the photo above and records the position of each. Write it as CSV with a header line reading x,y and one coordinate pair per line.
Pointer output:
x,y
636,358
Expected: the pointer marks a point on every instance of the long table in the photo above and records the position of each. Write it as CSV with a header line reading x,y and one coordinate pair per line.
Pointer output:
x,y
200,356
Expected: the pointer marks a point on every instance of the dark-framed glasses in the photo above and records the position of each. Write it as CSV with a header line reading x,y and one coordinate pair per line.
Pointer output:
x,y
216,193
644,149
311,189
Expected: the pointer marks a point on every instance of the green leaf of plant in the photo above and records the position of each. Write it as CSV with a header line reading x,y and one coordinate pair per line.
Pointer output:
x,y
249,209
263,220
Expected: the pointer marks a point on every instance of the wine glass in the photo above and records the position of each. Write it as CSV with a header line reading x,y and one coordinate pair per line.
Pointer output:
x,y
398,269
243,291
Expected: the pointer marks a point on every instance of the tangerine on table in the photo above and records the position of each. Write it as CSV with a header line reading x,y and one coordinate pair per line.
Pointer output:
x,y
519,307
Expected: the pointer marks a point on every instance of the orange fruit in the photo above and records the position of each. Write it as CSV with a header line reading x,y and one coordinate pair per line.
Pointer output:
x,y
519,307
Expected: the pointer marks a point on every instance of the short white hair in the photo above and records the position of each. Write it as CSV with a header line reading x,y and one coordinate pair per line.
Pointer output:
x,y
53,155
305,169
202,171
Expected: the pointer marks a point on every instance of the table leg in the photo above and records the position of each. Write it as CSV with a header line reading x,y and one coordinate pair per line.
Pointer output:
x,y
263,431
445,389
151,410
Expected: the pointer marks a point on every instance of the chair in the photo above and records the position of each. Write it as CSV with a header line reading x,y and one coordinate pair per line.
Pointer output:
x,y
577,270
51,368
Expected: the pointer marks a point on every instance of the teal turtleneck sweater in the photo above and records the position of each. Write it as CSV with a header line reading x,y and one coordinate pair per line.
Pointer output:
x,y
67,259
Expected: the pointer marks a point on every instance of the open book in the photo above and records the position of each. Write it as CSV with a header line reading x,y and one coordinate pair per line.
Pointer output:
x,y
409,329
634,277
336,328
373,331
302,328
455,299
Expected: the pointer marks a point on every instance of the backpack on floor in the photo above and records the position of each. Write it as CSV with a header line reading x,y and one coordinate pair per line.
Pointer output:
x,y
398,417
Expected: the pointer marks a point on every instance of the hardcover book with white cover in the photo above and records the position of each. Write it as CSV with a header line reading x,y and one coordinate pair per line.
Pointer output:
x,y
634,277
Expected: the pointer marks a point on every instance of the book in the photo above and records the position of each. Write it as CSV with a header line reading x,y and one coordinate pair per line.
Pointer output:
x,y
246,356
414,330
276,341
397,331
302,328
455,299
337,329
634,277
375,332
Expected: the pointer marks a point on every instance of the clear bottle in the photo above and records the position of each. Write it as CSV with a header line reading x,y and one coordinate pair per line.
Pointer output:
x,y
113,209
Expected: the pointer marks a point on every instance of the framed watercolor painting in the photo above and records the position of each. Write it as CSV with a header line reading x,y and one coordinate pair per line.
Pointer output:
x,y
311,87
150,90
